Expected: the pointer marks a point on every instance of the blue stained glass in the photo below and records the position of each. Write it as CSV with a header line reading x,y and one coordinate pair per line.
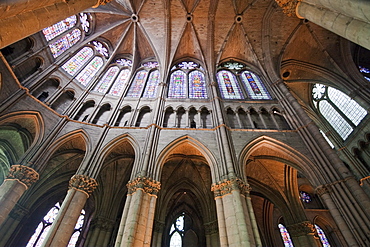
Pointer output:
x,y
60,27
78,61
255,88
138,84
152,85
85,76
364,69
228,85
323,239
304,196
150,65
177,85
107,79
285,236
64,43
120,82
197,85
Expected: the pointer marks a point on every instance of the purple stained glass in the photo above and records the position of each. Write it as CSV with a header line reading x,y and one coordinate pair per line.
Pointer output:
x,y
64,43
85,21
85,76
285,236
255,88
364,69
228,85
124,62
120,82
137,84
60,27
152,85
305,197
188,65
101,48
323,239
150,65
107,79
177,85
78,61
197,85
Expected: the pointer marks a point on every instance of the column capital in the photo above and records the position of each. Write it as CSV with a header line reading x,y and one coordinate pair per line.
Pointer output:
x,y
158,226
24,174
211,227
100,2
83,183
226,186
102,223
148,185
302,228
322,189
18,212
288,6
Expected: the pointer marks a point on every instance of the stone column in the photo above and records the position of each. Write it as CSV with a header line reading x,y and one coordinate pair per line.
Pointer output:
x,y
303,234
262,120
158,233
137,221
246,189
19,179
212,237
348,27
19,20
11,223
274,120
80,187
232,214
250,119
101,230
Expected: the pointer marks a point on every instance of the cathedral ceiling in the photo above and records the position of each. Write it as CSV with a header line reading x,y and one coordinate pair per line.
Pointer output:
x,y
256,32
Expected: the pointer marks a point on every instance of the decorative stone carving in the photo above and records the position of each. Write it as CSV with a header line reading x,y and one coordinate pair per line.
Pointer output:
x,y
148,185
103,223
211,227
227,186
24,174
300,229
100,2
158,226
288,6
18,212
83,183
323,189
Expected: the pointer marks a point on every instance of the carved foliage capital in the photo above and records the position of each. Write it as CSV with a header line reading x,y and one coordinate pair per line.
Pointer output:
x,y
18,212
25,174
103,223
323,189
101,2
83,183
300,229
146,184
227,186
211,227
288,6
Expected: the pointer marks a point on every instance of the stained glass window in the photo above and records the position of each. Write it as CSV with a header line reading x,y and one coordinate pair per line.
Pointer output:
x,y
254,86
342,113
177,88
197,85
305,197
365,72
85,22
85,76
177,232
101,48
60,27
42,229
107,79
150,65
327,139
152,85
228,85
64,43
323,239
285,236
187,65
137,85
120,82
78,61
124,62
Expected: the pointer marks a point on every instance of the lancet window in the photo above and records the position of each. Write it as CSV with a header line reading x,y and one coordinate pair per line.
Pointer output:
x,y
87,62
236,82
187,80
285,236
115,77
66,33
341,112
177,231
145,82
322,236
44,226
